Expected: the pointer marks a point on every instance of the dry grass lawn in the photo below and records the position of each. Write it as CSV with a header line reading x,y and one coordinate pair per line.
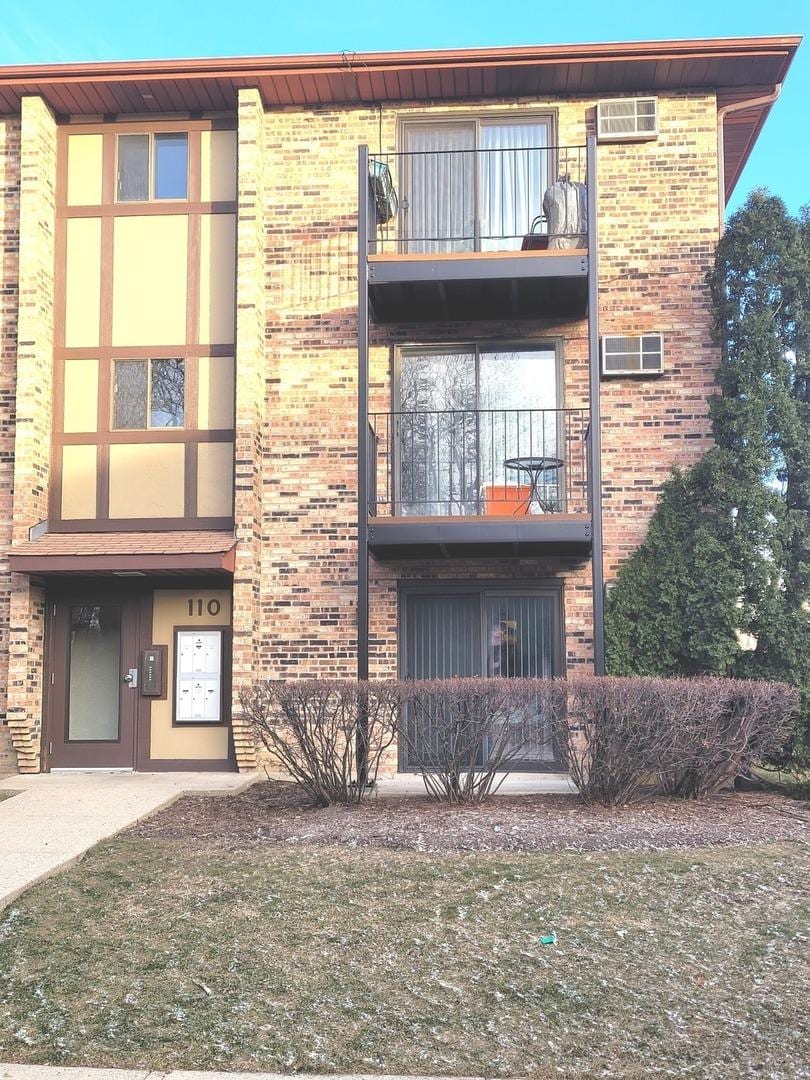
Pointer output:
x,y
165,953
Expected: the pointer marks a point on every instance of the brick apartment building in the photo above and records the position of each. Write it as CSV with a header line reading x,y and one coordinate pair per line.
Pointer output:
x,y
480,274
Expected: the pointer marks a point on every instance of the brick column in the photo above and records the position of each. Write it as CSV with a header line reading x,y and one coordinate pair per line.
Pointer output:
x,y
9,270
32,444
250,322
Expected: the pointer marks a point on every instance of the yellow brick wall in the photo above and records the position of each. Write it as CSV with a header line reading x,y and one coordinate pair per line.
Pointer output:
x,y
34,366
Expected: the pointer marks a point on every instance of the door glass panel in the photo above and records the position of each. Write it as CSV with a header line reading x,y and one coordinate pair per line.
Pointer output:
x,y
519,633
443,642
440,192
513,165
518,401
94,680
437,436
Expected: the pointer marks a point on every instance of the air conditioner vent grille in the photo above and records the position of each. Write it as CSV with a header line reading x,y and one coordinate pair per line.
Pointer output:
x,y
632,354
627,118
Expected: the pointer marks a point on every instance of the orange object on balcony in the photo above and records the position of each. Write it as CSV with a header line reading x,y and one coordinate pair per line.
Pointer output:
x,y
506,500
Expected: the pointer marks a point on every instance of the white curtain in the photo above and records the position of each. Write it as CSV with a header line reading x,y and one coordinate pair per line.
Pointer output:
x,y
440,189
513,176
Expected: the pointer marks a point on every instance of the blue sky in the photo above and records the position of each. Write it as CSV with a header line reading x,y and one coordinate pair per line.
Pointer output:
x,y
45,31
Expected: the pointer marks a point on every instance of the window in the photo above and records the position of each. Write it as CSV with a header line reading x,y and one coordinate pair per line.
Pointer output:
x,y
152,166
148,394
483,630
475,185
465,416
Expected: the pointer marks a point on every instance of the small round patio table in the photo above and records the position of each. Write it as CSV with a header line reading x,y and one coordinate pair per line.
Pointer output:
x,y
536,469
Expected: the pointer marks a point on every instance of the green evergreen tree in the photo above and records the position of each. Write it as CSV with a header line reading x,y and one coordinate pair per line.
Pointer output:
x,y
727,555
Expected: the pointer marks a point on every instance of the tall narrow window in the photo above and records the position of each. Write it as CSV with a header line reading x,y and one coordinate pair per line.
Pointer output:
x,y
149,393
171,165
133,168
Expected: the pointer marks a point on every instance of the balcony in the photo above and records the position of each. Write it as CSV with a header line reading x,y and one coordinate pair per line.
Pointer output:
x,y
474,234
478,482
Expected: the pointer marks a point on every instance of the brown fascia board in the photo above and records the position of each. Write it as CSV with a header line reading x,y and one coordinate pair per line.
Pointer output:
x,y
78,564
246,68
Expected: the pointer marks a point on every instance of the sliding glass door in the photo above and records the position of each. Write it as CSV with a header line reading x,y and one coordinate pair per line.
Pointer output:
x,y
475,185
475,631
466,416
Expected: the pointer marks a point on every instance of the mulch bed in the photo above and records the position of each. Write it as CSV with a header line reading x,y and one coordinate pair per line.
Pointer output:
x,y
275,812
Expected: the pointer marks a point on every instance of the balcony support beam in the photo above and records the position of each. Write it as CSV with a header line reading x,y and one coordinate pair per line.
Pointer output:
x,y
362,413
595,440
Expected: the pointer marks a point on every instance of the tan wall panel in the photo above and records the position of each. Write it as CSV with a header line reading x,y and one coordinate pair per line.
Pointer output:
x,y
82,282
81,395
147,480
215,391
84,165
205,741
149,280
215,479
218,164
79,471
217,278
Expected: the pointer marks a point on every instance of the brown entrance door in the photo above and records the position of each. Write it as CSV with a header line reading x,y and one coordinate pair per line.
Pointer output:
x,y
93,696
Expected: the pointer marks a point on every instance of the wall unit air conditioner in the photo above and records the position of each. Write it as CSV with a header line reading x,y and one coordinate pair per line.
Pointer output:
x,y
624,119
632,354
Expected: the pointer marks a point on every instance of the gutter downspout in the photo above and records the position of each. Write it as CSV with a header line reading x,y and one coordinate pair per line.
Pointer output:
x,y
722,113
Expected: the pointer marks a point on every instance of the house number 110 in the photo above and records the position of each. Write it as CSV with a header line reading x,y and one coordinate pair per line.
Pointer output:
x,y
195,607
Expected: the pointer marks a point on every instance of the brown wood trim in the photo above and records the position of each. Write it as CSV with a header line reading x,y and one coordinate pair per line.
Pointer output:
x,y
108,177
136,125
79,564
164,207
143,739
224,681
191,479
143,435
116,525
460,256
144,352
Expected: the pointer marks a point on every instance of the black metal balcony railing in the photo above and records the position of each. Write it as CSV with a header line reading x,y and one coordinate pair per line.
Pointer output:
x,y
455,201
478,462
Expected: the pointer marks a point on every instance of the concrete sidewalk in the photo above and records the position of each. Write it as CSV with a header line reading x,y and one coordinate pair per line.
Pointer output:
x,y
54,818
57,1072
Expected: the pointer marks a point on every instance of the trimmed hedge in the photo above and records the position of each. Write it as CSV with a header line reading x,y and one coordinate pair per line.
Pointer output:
x,y
619,738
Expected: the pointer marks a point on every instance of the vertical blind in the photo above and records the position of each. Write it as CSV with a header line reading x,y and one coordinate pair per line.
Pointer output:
x,y
483,633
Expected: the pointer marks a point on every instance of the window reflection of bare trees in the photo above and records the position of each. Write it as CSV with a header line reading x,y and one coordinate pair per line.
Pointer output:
x,y
168,393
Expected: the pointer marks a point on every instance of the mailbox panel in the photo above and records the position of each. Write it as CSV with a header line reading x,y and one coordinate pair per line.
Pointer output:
x,y
198,689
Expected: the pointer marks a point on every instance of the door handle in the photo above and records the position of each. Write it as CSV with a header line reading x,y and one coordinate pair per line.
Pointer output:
x,y
131,678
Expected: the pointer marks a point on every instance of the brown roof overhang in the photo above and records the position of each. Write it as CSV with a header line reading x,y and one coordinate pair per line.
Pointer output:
x,y
169,553
743,65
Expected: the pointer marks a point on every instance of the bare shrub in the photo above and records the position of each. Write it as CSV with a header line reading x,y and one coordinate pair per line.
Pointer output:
x,y
328,734
464,734
734,724
622,738
614,736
